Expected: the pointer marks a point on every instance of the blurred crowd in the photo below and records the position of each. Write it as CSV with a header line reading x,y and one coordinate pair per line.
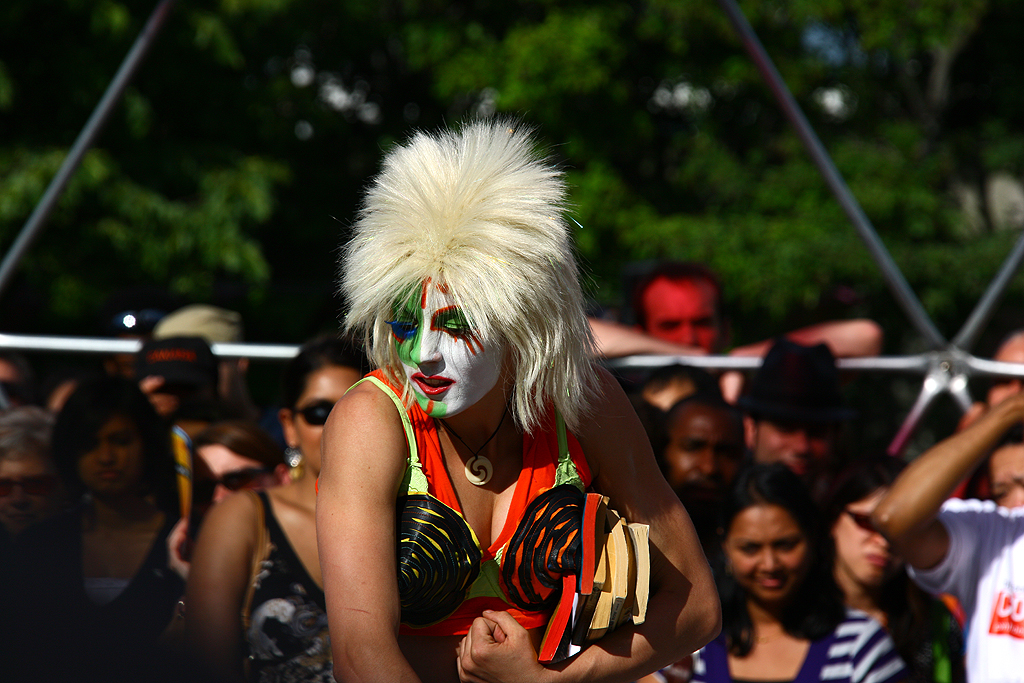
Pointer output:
x,y
158,523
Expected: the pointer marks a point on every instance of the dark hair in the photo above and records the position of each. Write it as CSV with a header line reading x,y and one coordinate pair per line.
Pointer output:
x,y
906,606
817,607
89,408
24,389
317,353
675,271
979,484
244,438
702,380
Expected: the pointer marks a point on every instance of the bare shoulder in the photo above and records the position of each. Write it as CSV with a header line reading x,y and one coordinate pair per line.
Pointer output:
x,y
611,430
232,518
364,423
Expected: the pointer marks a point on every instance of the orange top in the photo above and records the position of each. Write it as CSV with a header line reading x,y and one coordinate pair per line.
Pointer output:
x,y
539,474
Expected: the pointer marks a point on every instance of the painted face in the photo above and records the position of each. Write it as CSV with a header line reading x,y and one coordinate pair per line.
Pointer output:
x,y
863,559
447,365
769,554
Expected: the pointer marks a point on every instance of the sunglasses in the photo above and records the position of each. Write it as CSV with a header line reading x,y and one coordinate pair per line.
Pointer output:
x,y
232,481
862,520
41,485
316,414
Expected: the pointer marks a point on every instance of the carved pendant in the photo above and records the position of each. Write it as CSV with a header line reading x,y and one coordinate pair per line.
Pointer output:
x,y
479,470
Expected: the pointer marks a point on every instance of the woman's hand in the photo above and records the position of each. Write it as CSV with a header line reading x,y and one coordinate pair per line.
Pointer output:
x,y
497,649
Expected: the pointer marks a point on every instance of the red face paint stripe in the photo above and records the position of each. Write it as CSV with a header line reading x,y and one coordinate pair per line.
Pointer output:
x,y
423,296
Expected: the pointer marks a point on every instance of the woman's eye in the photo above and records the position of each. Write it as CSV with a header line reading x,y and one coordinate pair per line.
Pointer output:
x,y
121,439
788,544
402,329
452,321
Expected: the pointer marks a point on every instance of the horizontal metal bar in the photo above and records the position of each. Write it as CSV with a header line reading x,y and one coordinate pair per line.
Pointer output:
x,y
25,342
994,367
919,363
916,364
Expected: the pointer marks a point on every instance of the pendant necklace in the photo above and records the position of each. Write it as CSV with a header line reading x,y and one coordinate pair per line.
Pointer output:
x,y
479,469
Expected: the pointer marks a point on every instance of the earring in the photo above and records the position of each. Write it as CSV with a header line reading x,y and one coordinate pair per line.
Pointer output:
x,y
293,456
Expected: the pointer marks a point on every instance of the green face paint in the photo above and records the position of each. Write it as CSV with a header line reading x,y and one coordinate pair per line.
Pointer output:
x,y
447,365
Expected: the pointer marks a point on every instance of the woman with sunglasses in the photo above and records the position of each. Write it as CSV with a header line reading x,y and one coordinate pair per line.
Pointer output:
x,y
873,579
282,634
783,615
238,454
485,420
96,589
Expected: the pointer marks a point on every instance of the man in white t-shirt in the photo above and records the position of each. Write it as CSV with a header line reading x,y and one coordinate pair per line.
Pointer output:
x,y
970,549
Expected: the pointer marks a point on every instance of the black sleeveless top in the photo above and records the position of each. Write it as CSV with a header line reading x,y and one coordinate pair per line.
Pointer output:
x,y
287,639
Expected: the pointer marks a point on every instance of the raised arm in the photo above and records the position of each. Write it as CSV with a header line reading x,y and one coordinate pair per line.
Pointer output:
x,y
221,566
907,515
615,340
845,339
363,460
683,613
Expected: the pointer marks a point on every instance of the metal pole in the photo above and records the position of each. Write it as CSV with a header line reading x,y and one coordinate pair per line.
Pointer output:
x,y
900,289
33,226
968,334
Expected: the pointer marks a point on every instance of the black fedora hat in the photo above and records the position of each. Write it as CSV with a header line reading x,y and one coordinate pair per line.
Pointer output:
x,y
797,382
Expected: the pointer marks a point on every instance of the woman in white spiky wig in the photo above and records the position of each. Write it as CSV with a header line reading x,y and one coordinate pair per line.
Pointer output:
x,y
460,275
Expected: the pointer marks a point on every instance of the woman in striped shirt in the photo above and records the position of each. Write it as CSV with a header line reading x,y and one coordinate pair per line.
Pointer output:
x,y
782,613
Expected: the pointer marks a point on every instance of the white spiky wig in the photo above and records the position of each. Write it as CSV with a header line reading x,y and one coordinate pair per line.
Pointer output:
x,y
478,210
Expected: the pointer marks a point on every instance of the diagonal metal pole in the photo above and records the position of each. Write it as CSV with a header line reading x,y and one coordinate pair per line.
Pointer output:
x,y
34,225
968,334
897,283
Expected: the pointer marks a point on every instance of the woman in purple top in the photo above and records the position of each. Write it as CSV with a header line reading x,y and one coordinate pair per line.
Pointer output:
x,y
782,613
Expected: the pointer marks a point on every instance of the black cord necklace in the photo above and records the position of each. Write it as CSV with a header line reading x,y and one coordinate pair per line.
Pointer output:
x,y
479,469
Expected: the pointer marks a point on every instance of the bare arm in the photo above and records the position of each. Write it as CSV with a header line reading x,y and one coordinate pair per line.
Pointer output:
x,y
907,515
845,339
614,340
363,459
221,565
683,611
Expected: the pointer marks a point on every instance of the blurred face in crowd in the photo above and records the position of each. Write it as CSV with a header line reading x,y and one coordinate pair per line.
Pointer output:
x,y
704,451
1012,351
683,312
30,491
113,467
11,382
230,471
805,448
304,425
863,559
1006,474
768,554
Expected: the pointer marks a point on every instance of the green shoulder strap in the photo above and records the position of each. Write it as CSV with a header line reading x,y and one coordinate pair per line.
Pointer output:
x,y
565,473
414,480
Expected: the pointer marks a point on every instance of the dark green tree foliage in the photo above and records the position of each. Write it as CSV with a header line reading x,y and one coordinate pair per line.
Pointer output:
x,y
238,155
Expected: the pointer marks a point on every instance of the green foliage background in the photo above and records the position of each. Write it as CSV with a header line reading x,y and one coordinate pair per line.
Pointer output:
x,y
206,183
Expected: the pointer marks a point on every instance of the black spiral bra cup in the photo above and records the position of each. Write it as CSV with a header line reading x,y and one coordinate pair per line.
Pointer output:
x,y
438,559
545,547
